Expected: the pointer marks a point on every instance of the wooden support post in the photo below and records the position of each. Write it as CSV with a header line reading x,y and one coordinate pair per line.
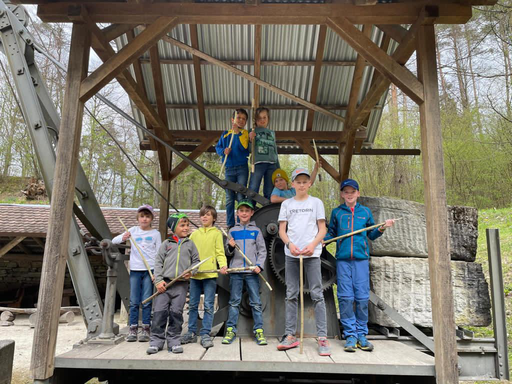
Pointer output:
x,y
61,209
198,151
164,207
257,63
10,245
307,148
194,39
436,212
316,74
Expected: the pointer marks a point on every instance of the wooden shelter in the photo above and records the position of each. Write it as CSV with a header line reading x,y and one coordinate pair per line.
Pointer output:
x,y
147,23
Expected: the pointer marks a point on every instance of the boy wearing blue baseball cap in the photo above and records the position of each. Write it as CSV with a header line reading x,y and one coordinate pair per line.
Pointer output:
x,y
352,264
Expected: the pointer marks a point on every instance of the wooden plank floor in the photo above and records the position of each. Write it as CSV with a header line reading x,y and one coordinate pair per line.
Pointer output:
x,y
244,355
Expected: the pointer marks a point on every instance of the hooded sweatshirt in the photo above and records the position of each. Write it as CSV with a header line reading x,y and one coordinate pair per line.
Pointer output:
x,y
251,242
209,242
174,257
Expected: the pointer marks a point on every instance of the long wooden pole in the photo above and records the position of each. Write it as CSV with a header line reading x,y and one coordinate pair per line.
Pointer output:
x,y
317,158
358,231
231,270
61,209
253,143
230,144
301,304
132,239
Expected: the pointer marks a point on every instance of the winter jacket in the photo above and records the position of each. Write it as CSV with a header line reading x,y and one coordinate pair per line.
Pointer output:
x,y
251,242
265,147
209,242
344,221
239,148
174,258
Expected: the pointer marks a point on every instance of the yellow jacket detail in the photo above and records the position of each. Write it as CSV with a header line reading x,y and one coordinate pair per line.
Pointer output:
x,y
209,242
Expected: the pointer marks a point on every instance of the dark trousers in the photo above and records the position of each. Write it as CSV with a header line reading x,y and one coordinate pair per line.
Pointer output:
x,y
168,312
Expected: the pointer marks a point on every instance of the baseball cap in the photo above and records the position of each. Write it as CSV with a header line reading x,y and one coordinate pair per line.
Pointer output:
x,y
245,202
146,207
279,173
299,171
349,183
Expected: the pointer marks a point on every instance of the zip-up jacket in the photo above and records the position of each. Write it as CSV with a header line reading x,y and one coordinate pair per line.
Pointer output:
x,y
173,258
239,148
209,242
251,242
343,221
265,148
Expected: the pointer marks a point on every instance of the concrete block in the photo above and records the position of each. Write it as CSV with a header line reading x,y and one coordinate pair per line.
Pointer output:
x,y
409,236
404,284
6,360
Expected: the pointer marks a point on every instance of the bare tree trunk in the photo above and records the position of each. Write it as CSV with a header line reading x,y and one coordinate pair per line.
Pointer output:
x,y
461,77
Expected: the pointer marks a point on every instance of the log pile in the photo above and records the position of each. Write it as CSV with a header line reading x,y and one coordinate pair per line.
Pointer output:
x,y
35,190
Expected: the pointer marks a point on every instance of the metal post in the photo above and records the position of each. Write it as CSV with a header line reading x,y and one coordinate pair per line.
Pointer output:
x,y
498,303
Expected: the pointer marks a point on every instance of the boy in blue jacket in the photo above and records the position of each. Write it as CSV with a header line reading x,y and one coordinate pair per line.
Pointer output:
x,y
352,264
237,169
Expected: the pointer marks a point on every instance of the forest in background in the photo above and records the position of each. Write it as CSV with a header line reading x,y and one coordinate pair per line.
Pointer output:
x,y
475,73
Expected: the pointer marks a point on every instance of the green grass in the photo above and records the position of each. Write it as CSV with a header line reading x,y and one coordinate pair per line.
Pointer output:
x,y
10,191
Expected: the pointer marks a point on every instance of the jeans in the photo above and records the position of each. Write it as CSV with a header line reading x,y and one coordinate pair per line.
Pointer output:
x,y
236,285
353,279
263,171
141,287
238,175
312,270
208,287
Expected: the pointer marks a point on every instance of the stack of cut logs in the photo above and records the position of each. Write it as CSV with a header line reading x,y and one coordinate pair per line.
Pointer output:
x,y
8,315
35,190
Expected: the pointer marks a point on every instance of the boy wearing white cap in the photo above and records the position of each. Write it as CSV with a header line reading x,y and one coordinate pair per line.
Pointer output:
x,y
302,228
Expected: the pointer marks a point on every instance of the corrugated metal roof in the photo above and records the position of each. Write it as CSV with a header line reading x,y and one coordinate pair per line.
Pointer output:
x,y
279,43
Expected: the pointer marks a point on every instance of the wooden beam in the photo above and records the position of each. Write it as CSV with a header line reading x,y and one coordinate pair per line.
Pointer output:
x,y
10,245
257,63
396,32
308,149
272,107
281,14
39,242
113,31
165,190
61,209
316,74
264,63
441,289
382,62
118,63
198,79
198,151
251,78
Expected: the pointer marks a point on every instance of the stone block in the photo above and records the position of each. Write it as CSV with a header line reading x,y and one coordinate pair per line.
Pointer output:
x,y
404,284
6,360
409,235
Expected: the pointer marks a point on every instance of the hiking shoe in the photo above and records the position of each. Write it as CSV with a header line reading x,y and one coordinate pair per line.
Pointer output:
x,y
175,349
189,337
152,350
364,344
229,337
260,337
324,348
206,341
144,334
350,344
288,342
132,334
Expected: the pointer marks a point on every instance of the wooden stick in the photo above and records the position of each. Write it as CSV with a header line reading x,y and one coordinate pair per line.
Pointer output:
x,y
246,258
176,279
317,160
356,232
301,304
253,143
230,144
132,239
241,269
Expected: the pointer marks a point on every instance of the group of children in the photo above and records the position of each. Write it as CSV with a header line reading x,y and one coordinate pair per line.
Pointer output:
x,y
302,228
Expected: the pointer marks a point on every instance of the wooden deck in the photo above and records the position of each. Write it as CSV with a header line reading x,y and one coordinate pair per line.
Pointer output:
x,y
388,358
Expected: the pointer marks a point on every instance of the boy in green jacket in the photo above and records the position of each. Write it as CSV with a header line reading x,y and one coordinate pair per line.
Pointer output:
x,y
176,254
209,242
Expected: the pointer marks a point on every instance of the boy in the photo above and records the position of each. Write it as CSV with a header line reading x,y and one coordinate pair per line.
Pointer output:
x,y
141,286
280,180
352,264
209,242
176,254
249,238
305,217
237,169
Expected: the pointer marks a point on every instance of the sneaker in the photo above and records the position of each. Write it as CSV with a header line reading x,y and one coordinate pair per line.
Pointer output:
x,y
189,337
350,344
288,342
144,334
152,350
132,334
229,337
364,344
260,337
176,349
206,341
324,348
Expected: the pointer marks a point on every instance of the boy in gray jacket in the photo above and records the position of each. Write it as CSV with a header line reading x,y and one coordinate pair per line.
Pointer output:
x,y
176,254
250,240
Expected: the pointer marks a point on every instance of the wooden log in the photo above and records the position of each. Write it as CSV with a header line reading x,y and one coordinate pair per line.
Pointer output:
x,y
67,317
29,311
7,316
6,323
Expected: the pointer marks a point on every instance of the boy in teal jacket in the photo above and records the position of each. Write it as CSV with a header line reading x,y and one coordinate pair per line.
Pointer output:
x,y
352,264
